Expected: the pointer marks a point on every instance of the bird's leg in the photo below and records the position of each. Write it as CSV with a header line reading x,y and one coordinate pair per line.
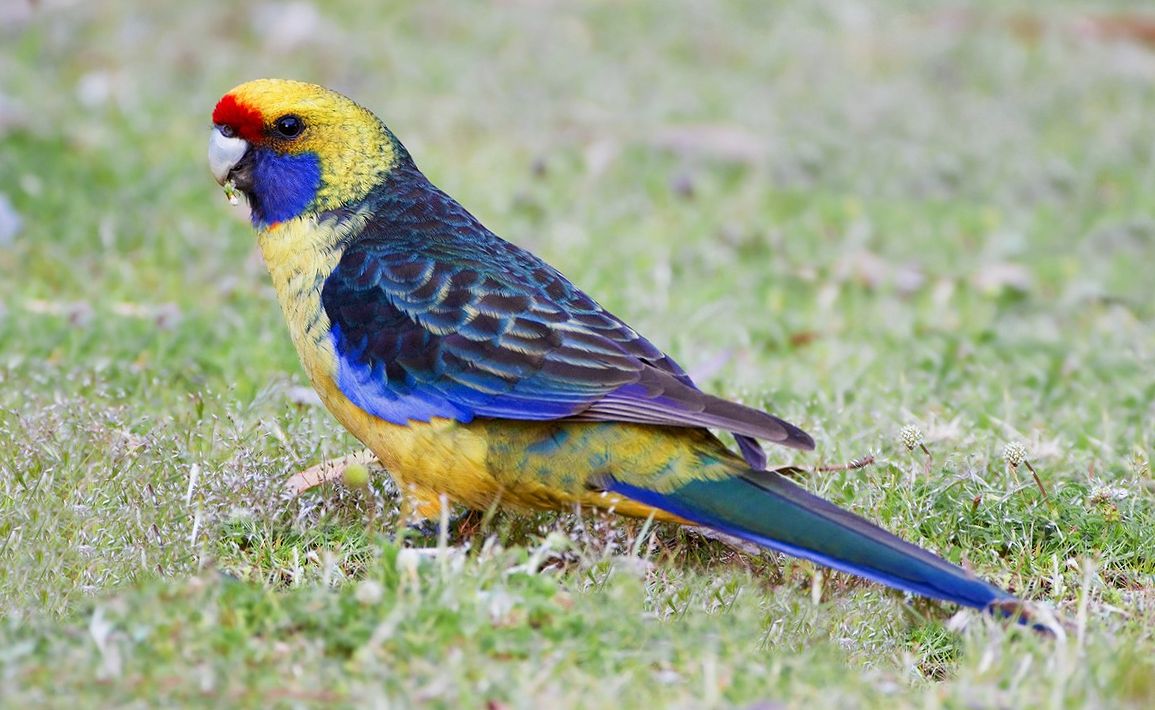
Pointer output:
x,y
330,470
420,505
432,515
461,525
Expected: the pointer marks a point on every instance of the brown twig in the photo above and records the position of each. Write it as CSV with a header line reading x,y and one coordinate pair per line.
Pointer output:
x,y
793,471
929,458
854,464
1038,482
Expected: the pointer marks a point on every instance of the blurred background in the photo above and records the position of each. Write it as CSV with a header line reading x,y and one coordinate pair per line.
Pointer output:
x,y
863,215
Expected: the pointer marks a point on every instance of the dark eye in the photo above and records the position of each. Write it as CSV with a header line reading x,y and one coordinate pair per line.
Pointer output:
x,y
227,131
289,126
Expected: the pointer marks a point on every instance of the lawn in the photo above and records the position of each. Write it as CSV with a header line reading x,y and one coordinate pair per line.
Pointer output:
x,y
863,216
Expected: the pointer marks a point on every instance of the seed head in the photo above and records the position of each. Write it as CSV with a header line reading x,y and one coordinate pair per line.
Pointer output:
x,y
355,475
910,436
1014,454
368,592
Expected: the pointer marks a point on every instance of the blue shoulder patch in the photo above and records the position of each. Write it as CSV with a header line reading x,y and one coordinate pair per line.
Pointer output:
x,y
368,386
403,398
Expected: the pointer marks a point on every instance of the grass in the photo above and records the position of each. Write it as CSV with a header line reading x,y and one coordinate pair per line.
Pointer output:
x,y
861,215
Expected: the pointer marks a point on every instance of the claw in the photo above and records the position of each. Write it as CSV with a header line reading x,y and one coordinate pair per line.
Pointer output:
x,y
460,525
1040,618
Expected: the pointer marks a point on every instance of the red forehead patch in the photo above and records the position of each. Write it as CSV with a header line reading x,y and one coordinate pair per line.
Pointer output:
x,y
243,119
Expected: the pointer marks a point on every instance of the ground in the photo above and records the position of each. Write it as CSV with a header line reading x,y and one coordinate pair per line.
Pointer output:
x,y
863,216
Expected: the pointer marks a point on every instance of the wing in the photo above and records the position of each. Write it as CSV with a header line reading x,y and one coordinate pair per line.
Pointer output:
x,y
476,327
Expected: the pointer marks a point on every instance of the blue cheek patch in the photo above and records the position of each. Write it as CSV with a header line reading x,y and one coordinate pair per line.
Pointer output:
x,y
288,185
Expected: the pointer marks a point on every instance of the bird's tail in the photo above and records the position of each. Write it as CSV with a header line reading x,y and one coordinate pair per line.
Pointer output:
x,y
767,509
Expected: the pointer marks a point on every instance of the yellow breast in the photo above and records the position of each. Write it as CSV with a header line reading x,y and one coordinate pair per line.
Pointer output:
x,y
300,254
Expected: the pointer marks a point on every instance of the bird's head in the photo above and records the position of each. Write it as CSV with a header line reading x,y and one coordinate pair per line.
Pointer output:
x,y
295,149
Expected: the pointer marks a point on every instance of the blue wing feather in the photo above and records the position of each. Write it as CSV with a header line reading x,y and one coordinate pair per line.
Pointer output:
x,y
433,315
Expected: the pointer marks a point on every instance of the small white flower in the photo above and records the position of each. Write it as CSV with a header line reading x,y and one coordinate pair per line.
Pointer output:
x,y
368,592
1014,454
1103,493
910,436
408,562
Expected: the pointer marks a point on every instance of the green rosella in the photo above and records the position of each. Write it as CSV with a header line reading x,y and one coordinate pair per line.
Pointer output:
x,y
480,375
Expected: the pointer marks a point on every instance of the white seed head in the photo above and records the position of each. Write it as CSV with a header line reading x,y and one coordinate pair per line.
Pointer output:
x,y
910,436
1014,454
1103,493
368,592
408,563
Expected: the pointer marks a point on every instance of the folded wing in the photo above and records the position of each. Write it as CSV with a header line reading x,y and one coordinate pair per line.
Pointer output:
x,y
480,328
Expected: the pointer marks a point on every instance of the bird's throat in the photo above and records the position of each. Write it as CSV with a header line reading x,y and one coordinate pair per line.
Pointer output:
x,y
299,254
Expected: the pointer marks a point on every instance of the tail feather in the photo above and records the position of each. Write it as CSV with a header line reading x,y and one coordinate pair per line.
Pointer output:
x,y
767,509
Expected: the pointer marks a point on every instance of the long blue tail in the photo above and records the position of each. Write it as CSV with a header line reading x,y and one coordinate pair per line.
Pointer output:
x,y
767,509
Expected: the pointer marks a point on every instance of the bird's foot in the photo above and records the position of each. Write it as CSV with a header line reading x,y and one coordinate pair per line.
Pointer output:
x,y
1040,618
457,526
331,470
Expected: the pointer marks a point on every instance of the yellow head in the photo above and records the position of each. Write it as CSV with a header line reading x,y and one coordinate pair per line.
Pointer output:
x,y
295,148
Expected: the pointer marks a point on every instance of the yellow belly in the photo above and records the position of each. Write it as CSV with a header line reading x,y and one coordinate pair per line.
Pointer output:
x,y
441,457
425,459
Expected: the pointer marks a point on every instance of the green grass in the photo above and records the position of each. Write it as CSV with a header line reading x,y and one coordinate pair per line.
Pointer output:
x,y
859,215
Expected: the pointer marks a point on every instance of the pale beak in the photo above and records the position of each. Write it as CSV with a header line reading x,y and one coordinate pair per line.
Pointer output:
x,y
225,153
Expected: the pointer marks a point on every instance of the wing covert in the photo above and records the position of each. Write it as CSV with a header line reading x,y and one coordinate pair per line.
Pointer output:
x,y
466,328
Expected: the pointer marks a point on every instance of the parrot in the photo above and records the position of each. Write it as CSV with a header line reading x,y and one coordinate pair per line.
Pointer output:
x,y
480,376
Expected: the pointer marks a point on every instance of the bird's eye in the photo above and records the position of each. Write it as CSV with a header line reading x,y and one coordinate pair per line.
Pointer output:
x,y
289,126
227,131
